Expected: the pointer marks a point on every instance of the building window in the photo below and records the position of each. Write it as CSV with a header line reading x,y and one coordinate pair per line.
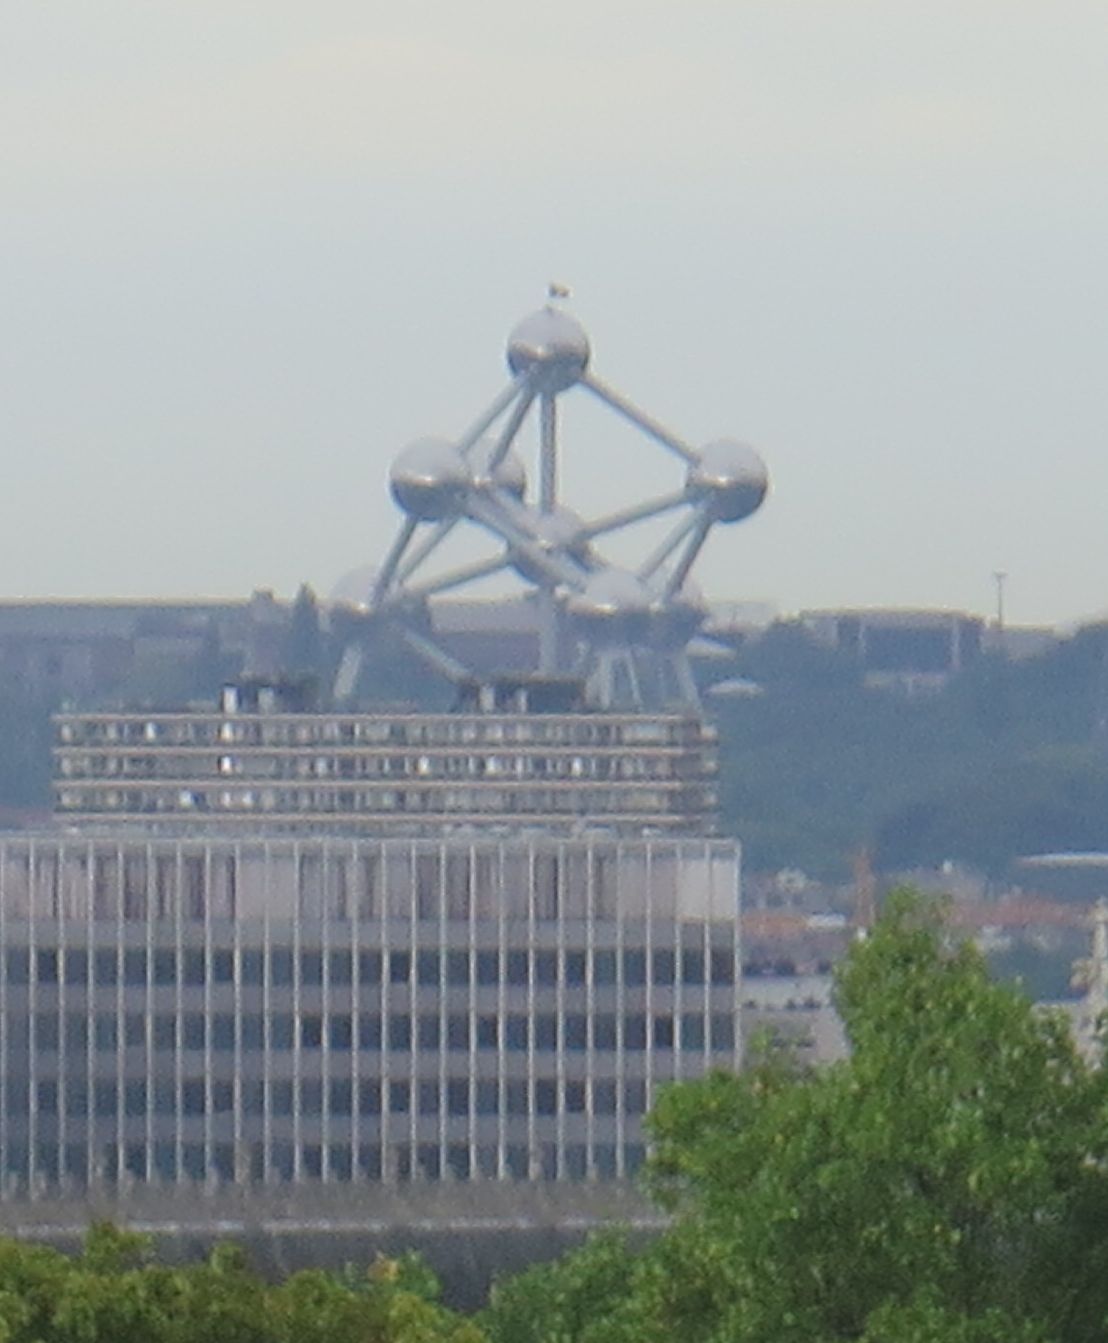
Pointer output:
x,y
664,966
369,967
488,1098
223,1031
546,968
369,1096
488,1032
546,1031
46,965
165,1031
457,969
516,1031
634,968
663,1031
134,968
193,1030
194,970
400,1032
604,968
340,967
76,1032
723,1031
723,966
692,1030
46,1032
428,967
516,1098
193,1098
340,1032
575,964
634,1096
17,965
428,1098
603,1097
76,967
251,965
457,1096
692,966
634,1031
280,1031
46,1098
457,1031
604,1031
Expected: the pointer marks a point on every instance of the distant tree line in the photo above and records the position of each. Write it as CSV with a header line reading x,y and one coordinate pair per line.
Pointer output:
x,y
1010,758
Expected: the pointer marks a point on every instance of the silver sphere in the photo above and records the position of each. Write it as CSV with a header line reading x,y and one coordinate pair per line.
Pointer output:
x,y
552,347
614,602
429,479
510,475
732,476
559,533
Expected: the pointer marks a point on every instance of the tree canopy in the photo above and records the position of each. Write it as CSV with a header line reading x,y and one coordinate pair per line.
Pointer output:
x,y
114,1292
946,1184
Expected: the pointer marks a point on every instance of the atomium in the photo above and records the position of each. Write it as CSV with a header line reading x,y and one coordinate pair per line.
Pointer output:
x,y
624,631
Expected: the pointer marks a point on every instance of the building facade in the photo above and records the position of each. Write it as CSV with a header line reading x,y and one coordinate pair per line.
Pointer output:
x,y
387,773
336,1009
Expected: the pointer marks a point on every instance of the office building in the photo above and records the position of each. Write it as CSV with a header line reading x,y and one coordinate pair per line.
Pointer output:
x,y
334,1009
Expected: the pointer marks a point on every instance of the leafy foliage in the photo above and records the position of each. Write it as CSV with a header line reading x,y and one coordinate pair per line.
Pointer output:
x,y
947,1184
114,1293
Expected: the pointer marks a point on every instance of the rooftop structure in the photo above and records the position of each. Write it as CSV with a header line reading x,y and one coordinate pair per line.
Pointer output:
x,y
518,752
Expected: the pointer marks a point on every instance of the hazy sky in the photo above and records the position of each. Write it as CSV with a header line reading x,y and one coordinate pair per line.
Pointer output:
x,y
252,247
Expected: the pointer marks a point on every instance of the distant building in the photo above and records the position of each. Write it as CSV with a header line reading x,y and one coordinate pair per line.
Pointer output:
x,y
92,650
911,650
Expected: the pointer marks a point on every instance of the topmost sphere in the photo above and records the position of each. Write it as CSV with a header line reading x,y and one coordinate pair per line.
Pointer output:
x,y
552,347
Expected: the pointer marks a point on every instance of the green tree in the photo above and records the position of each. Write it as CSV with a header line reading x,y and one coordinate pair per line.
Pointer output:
x,y
946,1184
